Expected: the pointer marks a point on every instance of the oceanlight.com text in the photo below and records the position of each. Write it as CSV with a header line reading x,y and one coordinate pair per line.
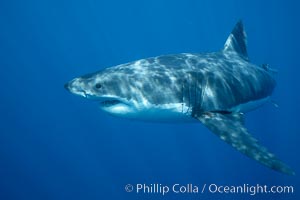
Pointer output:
x,y
164,189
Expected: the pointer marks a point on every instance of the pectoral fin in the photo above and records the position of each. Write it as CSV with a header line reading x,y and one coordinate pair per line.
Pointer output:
x,y
230,128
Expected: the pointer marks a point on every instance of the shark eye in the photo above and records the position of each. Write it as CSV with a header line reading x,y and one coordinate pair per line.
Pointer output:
x,y
98,86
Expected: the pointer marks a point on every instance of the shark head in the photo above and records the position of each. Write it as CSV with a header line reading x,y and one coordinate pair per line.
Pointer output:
x,y
106,88
134,90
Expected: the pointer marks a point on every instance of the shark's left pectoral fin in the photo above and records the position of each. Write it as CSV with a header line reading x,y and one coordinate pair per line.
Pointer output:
x,y
230,128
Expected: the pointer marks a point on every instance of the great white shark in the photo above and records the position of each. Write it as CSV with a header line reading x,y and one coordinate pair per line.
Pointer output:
x,y
215,89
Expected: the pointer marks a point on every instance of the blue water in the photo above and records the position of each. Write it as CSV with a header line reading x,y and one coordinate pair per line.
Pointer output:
x,y
54,145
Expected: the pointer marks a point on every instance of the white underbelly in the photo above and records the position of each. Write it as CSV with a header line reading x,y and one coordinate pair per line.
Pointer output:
x,y
173,112
250,105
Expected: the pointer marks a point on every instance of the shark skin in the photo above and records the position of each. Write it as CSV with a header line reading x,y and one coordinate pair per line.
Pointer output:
x,y
215,89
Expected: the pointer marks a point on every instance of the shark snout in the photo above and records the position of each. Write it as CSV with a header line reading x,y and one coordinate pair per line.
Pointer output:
x,y
67,87
76,86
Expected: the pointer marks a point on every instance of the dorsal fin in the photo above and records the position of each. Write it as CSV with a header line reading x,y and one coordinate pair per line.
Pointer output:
x,y
236,42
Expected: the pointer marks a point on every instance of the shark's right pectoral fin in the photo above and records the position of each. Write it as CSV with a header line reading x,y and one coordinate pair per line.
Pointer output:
x,y
230,128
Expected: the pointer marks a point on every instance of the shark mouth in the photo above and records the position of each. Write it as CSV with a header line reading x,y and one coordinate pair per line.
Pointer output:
x,y
115,106
109,103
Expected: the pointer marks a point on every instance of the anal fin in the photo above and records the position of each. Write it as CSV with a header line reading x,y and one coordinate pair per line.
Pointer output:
x,y
230,128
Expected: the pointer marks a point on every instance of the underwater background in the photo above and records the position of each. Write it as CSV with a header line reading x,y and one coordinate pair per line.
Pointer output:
x,y
54,145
